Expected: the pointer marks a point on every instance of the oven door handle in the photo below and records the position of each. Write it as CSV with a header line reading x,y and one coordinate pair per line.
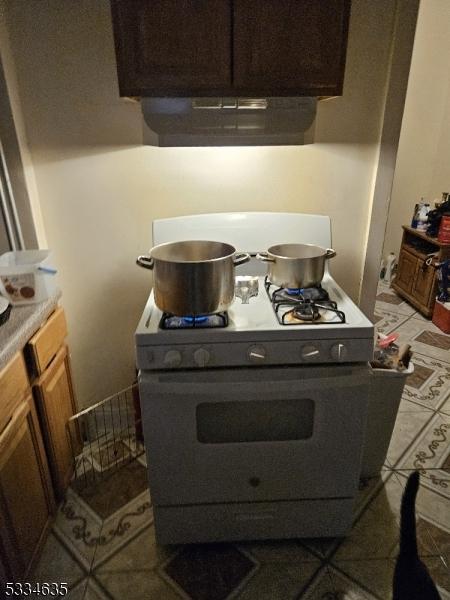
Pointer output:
x,y
239,382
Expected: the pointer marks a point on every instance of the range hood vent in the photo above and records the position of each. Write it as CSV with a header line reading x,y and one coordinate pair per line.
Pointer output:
x,y
228,121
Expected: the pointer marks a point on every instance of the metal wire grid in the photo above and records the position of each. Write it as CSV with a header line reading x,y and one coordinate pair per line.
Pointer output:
x,y
105,436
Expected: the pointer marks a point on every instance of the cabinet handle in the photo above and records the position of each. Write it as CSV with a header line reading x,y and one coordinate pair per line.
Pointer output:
x,y
429,261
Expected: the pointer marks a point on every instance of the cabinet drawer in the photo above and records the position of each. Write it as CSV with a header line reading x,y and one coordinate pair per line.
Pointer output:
x,y
46,342
14,387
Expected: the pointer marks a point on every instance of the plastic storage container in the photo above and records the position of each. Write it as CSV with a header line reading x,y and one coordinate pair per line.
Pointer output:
x,y
385,393
26,276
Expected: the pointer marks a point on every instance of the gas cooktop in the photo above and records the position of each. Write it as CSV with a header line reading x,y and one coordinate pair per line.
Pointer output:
x,y
258,324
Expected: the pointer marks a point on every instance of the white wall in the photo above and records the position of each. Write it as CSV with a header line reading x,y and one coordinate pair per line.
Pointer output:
x,y
100,189
423,166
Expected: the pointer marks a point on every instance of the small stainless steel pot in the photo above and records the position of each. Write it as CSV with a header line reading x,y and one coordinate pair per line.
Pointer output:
x,y
296,265
193,278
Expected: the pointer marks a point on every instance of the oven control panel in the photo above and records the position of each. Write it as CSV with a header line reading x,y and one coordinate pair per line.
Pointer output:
x,y
243,354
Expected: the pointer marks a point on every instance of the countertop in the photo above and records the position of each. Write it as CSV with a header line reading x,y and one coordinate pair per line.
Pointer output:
x,y
23,322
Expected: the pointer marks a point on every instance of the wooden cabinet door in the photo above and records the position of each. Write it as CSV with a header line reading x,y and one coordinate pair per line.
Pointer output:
x,y
290,47
56,404
14,387
423,284
46,342
406,270
26,499
172,47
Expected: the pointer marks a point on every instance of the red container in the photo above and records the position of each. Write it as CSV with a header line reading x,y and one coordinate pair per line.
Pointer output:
x,y
441,316
444,230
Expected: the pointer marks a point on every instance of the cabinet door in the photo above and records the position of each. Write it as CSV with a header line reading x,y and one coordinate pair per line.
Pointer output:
x,y
46,342
423,284
14,388
26,500
284,47
406,270
56,404
172,47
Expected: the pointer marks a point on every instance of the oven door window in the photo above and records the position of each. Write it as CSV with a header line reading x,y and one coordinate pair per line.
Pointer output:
x,y
254,421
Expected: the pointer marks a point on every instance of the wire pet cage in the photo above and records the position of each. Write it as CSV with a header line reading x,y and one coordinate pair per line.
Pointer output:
x,y
106,436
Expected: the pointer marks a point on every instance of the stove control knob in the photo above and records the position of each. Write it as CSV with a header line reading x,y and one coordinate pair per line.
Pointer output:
x,y
339,352
310,352
256,354
202,357
172,359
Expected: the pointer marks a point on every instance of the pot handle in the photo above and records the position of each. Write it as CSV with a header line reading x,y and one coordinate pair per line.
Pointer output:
x,y
264,256
240,258
146,262
330,253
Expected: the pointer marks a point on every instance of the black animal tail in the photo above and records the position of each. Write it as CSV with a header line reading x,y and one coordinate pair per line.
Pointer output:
x,y
408,540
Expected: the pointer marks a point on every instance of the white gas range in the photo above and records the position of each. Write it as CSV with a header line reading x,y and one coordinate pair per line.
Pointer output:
x,y
254,420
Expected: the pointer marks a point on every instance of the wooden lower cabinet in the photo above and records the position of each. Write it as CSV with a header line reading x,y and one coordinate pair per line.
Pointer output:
x,y
416,278
56,404
26,498
416,281
50,373
37,401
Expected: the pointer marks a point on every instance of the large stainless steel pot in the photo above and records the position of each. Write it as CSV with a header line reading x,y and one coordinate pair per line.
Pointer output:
x,y
193,278
296,265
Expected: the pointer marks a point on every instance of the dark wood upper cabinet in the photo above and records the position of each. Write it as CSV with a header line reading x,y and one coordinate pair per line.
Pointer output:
x,y
169,47
290,47
230,47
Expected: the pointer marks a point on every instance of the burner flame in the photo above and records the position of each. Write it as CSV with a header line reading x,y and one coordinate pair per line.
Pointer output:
x,y
193,320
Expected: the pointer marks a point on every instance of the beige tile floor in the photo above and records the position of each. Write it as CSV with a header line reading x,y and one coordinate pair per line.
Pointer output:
x,y
106,549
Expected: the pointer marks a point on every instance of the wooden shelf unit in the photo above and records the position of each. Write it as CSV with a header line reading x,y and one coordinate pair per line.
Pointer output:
x,y
416,278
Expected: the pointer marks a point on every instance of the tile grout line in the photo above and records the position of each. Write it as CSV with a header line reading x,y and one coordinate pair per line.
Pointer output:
x,y
408,447
358,583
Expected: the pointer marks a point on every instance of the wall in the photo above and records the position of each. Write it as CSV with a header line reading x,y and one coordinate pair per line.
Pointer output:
x,y
100,189
422,168
401,53
15,145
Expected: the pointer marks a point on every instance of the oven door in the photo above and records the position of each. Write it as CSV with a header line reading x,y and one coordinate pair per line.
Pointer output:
x,y
254,434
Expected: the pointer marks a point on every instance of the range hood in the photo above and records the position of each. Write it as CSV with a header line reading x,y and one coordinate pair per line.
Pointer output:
x,y
275,121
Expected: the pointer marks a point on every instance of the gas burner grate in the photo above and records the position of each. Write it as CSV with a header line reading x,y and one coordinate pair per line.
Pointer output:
x,y
294,306
215,320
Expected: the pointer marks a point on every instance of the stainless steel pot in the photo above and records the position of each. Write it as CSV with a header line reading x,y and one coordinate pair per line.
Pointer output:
x,y
193,278
296,265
